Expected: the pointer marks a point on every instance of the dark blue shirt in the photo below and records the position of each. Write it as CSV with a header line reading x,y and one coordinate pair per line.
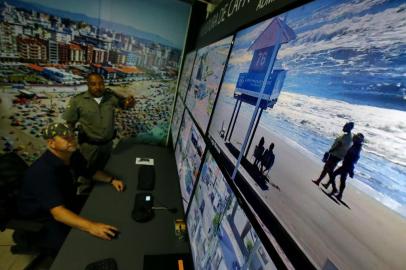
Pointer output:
x,y
49,183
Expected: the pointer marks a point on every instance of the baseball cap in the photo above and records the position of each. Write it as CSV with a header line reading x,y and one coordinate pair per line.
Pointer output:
x,y
56,129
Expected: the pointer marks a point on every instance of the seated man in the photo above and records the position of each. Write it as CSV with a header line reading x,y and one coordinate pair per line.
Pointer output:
x,y
48,190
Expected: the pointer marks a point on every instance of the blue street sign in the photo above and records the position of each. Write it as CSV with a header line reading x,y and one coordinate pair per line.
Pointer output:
x,y
250,84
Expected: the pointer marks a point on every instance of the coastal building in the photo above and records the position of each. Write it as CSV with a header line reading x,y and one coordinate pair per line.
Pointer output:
x,y
31,49
63,53
8,42
52,51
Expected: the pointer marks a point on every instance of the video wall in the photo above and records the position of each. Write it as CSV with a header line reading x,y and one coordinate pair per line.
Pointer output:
x,y
310,115
188,153
205,80
221,235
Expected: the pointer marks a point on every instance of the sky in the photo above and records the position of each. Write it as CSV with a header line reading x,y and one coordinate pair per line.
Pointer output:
x,y
167,18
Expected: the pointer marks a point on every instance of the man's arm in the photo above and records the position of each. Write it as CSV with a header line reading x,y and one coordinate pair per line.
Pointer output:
x,y
71,115
78,163
104,177
67,217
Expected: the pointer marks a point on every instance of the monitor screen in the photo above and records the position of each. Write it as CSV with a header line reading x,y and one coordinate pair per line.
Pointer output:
x,y
188,154
331,78
176,119
220,233
206,76
185,75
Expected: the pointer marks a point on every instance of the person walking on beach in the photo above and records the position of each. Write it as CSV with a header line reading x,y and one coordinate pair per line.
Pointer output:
x,y
337,152
347,168
259,151
267,159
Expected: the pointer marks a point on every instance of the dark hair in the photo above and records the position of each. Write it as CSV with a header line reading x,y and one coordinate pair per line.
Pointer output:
x,y
349,125
358,138
93,74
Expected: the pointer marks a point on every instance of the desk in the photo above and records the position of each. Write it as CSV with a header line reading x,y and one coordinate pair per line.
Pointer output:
x,y
108,206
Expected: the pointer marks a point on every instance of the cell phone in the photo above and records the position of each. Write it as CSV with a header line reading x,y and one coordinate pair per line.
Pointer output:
x,y
147,198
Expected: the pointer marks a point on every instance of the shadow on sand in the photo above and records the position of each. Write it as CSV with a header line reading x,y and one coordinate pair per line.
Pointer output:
x,y
252,170
336,200
330,196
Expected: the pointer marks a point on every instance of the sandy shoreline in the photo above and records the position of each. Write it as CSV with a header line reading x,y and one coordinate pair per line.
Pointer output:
x,y
367,236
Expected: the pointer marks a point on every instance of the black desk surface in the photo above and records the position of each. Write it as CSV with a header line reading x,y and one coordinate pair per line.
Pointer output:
x,y
108,206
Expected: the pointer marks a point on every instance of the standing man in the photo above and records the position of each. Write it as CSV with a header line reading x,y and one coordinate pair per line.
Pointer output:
x,y
336,153
92,112
48,191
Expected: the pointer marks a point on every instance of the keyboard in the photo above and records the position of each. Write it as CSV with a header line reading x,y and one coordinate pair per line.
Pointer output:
x,y
105,264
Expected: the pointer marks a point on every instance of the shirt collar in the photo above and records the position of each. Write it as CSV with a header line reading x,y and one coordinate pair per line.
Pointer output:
x,y
53,160
106,95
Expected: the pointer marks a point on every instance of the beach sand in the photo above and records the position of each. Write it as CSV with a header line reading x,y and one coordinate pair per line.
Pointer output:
x,y
366,236
148,119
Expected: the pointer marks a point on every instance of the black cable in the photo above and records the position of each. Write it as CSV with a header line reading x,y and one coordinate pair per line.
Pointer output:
x,y
172,210
162,206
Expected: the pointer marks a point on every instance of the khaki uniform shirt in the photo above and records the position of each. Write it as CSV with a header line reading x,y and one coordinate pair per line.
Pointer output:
x,y
96,120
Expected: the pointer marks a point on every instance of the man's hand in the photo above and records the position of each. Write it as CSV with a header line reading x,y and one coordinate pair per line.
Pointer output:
x,y
118,185
102,231
67,217
129,102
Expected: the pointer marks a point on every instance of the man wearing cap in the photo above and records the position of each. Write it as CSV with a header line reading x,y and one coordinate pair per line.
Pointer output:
x,y
336,153
48,190
92,112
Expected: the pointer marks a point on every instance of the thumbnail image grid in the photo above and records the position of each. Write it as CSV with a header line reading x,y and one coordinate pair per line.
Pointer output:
x,y
185,75
177,118
220,233
188,154
204,83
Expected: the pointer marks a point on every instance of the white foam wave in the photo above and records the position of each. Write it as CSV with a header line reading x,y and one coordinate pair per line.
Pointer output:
x,y
380,30
384,129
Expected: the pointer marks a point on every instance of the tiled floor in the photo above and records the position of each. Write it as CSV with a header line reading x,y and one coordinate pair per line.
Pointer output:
x,y
9,261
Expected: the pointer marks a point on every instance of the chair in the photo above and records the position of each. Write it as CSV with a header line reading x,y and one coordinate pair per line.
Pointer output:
x,y
12,169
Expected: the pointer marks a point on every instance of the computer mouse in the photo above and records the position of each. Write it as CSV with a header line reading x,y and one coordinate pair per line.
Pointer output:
x,y
116,234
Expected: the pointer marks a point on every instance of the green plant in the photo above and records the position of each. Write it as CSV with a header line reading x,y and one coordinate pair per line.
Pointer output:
x,y
249,245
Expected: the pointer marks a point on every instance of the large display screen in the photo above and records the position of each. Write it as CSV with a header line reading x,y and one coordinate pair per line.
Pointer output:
x,y
220,233
206,76
188,154
176,119
185,75
332,111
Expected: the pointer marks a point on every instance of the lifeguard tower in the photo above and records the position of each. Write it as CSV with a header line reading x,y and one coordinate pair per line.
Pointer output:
x,y
249,84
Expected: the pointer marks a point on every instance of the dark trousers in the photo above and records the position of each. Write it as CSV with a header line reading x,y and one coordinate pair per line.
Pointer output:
x,y
96,155
328,168
53,233
343,172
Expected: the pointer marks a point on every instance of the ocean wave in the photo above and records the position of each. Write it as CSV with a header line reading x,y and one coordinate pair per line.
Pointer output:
x,y
384,128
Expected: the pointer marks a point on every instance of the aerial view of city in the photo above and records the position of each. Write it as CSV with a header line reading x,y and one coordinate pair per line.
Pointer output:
x,y
177,119
188,153
186,73
206,76
221,235
46,54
